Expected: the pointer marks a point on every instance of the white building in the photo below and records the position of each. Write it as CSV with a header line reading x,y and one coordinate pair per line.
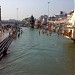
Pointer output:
x,y
72,19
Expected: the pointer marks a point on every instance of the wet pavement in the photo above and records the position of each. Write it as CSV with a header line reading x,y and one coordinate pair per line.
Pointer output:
x,y
34,54
3,35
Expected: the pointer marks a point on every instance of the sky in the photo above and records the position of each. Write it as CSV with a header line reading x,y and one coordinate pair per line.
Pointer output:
x,y
26,8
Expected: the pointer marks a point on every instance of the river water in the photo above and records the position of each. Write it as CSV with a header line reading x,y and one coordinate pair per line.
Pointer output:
x,y
34,54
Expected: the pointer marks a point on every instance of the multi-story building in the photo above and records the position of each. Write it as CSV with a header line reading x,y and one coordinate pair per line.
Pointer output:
x,y
62,15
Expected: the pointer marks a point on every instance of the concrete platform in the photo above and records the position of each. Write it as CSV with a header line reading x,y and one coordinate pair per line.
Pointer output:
x,y
3,35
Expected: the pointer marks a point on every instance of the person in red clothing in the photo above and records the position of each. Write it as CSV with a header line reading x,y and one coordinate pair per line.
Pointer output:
x,y
49,28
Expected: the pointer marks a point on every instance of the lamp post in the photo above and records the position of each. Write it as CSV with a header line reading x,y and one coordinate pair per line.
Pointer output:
x,y
17,22
17,13
48,8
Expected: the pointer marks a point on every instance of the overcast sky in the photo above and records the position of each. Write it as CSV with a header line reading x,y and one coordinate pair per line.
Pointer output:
x,y
36,7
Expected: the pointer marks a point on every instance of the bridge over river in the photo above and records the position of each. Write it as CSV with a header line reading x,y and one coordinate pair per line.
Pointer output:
x,y
34,54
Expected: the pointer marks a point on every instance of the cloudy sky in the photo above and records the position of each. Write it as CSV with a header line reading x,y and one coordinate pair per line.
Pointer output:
x,y
36,7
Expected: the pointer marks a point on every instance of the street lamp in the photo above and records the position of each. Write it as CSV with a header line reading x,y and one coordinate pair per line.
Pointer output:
x,y
17,13
48,8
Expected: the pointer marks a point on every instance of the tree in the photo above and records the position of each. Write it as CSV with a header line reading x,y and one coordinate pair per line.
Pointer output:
x,y
32,21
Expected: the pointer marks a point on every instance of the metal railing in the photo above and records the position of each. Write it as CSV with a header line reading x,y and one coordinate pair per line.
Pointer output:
x,y
4,45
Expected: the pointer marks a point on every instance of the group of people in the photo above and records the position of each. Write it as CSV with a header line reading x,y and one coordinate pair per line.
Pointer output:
x,y
16,33
46,30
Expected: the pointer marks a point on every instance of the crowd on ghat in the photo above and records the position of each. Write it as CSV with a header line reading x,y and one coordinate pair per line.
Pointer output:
x,y
49,30
14,31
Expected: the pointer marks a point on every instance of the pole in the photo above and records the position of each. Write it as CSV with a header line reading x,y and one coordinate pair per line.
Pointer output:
x,y
17,13
0,15
48,9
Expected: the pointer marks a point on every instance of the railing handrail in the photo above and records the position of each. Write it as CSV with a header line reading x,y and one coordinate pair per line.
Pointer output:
x,y
5,43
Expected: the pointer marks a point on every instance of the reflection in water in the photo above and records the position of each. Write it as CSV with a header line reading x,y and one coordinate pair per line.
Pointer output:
x,y
70,50
70,46
31,54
